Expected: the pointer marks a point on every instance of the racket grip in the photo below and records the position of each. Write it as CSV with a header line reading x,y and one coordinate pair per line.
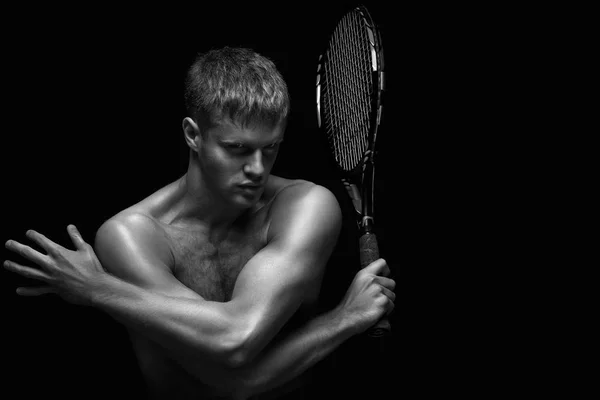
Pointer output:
x,y
369,252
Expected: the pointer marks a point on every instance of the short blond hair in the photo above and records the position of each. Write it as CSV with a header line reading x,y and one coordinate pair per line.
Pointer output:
x,y
236,84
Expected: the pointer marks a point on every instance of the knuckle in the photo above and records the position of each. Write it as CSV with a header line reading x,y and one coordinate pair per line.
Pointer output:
x,y
57,255
23,250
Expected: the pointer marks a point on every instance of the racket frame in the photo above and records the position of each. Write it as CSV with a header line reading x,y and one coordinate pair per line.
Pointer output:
x,y
359,182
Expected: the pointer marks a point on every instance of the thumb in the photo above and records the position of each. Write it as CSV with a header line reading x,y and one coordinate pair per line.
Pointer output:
x,y
78,241
377,267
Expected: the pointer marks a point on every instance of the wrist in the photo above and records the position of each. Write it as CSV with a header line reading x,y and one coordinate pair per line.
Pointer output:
x,y
345,322
100,289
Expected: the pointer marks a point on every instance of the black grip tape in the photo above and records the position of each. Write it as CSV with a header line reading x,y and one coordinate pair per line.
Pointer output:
x,y
369,252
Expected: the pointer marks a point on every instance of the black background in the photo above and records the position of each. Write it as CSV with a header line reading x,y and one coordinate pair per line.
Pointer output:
x,y
92,124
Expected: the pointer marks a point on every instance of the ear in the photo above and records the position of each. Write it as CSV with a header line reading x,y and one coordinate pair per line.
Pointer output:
x,y
191,133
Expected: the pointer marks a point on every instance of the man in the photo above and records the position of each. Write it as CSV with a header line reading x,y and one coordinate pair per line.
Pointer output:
x,y
216,275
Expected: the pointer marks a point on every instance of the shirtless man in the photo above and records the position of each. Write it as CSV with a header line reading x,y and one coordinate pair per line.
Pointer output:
x,y
217,274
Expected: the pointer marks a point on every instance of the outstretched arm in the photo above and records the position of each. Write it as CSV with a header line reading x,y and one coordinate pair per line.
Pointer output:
x,y
368,298
149,297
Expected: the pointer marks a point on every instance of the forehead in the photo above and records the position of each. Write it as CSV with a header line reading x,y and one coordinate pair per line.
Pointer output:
x,y
254,134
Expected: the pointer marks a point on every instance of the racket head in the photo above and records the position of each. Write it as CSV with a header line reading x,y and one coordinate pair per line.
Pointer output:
x,y
349,90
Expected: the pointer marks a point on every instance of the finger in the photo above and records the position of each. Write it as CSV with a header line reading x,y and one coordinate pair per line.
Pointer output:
x,y
377,267
391,307
386,271
385,282
27,252
43,241
25,271
35,291
76,237
388,293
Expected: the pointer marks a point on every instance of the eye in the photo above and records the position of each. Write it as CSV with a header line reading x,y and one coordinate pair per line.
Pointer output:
x,y
272,146
236,148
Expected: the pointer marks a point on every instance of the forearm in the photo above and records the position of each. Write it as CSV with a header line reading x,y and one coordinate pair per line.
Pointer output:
x,y
290,356
285,359
197,334
182,325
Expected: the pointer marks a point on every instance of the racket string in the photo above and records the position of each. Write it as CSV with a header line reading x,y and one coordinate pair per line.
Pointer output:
x,y
346,91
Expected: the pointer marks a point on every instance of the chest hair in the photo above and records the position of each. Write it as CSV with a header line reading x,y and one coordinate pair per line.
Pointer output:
x,y
211,269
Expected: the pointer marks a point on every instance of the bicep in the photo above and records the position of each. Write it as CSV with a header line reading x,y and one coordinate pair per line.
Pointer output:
x,y
276,281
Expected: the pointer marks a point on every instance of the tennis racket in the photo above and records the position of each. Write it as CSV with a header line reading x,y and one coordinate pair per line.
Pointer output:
x,y
350,85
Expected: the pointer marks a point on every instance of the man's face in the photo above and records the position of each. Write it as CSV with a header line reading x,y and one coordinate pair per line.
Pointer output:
x,y
236,161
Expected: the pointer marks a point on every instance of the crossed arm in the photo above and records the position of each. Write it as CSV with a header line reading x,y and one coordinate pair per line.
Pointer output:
x,y
220,342
269,289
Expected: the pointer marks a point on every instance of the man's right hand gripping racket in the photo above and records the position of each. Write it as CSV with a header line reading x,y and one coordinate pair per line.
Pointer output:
x,y
350,84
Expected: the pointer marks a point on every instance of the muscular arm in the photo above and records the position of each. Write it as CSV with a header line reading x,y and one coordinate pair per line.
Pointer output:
x,y
284,359
294,354
213,338
143,294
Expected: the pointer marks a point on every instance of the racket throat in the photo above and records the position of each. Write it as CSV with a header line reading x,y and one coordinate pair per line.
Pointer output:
x,y
364,222
366,225
355,196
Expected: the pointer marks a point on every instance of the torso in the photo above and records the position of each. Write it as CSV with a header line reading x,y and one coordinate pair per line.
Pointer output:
x,y
211,271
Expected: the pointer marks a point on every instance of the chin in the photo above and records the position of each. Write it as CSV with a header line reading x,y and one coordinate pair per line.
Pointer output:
x,y
247,199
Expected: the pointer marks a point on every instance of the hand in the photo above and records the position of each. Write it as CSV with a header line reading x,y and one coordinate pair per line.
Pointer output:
x,y
370,295
70,274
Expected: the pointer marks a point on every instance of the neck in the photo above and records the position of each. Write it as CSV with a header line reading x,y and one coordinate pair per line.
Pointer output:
x,y
200,206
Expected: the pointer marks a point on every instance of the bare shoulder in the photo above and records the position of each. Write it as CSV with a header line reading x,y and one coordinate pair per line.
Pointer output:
x,y
304,193
130,235
307,205
136,229
284,190
127,222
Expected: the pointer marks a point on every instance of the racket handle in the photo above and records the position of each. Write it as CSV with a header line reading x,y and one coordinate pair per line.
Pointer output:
x,y
369,252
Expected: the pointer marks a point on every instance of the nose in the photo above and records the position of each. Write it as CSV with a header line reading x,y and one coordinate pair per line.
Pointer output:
x,y
254,167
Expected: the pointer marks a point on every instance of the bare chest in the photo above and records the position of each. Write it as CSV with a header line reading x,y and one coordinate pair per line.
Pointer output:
x,y
212,269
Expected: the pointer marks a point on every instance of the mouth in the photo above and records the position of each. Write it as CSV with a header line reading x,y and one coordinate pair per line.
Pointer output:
x,y
250,187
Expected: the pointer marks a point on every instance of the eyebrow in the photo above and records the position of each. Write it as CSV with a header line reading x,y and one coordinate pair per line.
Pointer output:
x,y
247,144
